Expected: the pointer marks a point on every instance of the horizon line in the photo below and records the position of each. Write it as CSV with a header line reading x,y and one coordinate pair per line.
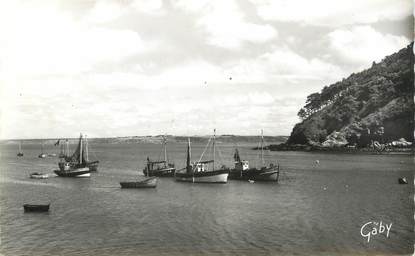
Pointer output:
x,y
158,135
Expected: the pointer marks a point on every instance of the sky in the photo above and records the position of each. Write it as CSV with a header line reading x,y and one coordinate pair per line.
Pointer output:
x,y
112,68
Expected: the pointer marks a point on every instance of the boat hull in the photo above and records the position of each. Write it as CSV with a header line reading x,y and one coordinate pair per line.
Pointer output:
x,y
93,166
165,172
149,183
219,176
266,174
74,173
36,207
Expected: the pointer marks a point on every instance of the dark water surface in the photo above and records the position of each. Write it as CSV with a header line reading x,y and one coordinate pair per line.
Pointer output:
x,y
315,208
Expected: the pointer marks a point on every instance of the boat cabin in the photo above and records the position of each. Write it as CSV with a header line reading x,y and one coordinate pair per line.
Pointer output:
x,y
242,165
202,166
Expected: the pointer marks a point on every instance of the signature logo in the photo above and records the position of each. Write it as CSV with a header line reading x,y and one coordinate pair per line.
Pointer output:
x,y
373,228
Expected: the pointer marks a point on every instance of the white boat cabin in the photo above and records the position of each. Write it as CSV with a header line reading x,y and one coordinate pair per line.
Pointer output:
x,y
201,167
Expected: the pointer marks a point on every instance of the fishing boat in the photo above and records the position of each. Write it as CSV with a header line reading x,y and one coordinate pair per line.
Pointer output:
x,y
242,171
20,153
80,158
38,175
76,165
150,182
161,168
202,171
42,154
36,207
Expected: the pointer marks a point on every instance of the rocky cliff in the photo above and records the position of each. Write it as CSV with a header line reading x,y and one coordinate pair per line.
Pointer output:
x,y
376,104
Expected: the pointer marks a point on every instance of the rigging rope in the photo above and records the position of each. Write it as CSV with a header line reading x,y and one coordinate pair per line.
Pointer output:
x,y
200,159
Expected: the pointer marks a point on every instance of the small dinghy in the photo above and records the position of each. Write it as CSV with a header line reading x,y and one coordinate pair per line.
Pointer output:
x,y
147,183
38,175
36,207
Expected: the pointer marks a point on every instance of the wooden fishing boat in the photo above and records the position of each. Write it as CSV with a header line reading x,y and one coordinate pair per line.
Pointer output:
x,y
76,165
202,171
264,173
161,168
38,175
36,207
147,183
20,153
80,158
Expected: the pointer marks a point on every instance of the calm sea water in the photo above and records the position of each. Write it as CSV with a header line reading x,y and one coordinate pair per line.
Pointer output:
x,y
315,208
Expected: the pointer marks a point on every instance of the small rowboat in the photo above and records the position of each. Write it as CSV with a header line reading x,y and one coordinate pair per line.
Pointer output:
x,y
36,207
38,175
147,183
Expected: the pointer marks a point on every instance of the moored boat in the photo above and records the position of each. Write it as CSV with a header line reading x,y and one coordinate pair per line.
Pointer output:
x,y
38,175
147,183
78,159
264,173
36,207
75,166
202,171
161,168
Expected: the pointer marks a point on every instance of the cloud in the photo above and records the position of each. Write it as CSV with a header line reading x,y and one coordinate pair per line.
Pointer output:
x,y
284,66
333,13
226,25
151,7
360,45
44,41
105,11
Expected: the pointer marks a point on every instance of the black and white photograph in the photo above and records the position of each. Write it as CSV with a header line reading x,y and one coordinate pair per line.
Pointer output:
x,y
206,127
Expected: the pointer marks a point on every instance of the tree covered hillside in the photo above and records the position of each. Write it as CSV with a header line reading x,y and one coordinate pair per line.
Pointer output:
x,y
375,104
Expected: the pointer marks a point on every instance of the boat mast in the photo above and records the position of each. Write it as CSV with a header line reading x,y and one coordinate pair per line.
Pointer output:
x,y
20,146
262,147
214,137
165,149
67,148
80,149
188,167
86,150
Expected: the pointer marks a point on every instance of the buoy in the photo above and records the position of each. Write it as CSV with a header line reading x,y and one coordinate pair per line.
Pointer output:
x,y
402,180
317,162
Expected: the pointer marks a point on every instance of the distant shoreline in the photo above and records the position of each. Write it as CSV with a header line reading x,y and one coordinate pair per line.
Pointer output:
x,y
155,139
